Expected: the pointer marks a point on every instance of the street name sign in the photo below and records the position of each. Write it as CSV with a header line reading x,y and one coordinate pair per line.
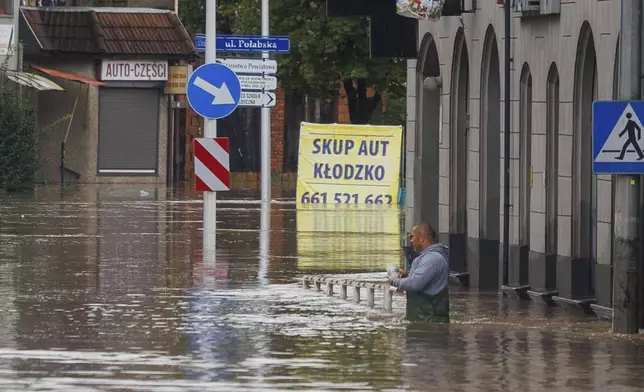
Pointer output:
x,y
213,91
257,98
250,66
257,82
246,43
617,129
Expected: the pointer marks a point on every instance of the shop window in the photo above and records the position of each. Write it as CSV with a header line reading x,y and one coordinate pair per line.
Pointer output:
x,y
6,7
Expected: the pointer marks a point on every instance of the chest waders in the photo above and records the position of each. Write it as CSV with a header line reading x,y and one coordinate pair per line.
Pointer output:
x,y
428,308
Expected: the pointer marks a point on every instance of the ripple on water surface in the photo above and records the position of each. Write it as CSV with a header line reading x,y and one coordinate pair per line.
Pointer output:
x,y
108,289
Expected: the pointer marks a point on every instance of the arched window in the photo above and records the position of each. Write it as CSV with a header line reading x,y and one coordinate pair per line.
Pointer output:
x,y
552,158
525,168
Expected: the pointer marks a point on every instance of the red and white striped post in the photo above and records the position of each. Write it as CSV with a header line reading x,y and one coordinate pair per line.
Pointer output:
x,y
212,164
212,174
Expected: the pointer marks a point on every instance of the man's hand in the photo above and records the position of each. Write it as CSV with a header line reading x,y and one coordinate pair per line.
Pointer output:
x,y
403,273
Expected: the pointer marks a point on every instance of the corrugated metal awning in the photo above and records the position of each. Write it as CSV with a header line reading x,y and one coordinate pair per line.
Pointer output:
x,y
32,80
68,76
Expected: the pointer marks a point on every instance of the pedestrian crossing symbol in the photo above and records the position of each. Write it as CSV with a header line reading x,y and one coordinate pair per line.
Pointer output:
x,y
617,137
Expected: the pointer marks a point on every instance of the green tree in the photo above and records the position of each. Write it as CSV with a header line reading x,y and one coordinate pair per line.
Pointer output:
x,y
19,135
193,16
326,53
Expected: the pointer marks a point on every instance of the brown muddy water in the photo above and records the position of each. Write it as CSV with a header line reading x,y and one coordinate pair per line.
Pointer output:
x,y
106,289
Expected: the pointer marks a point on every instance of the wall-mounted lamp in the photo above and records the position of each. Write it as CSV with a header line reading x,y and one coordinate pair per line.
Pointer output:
x,y
433,82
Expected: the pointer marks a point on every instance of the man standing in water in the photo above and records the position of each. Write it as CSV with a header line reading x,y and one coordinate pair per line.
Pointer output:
x,y
426,284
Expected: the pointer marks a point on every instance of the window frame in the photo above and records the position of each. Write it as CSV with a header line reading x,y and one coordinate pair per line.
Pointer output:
x,y
6,8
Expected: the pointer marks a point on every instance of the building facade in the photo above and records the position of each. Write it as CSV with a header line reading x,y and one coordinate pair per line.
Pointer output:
x,y
113,117
561,214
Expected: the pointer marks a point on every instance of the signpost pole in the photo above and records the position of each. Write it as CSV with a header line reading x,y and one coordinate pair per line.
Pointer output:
x,y
627,187
266,123
210,131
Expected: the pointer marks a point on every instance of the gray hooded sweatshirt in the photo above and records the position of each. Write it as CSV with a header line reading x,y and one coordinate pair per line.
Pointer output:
x,y
429,272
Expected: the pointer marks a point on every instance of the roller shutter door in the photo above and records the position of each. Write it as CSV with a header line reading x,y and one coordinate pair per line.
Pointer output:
x,y
128,131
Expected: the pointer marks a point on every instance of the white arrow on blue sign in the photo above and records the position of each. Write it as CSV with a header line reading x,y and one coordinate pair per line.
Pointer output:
x,y
617,129
213,91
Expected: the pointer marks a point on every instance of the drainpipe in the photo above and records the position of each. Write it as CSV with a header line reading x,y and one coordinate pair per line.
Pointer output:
x,y
506,147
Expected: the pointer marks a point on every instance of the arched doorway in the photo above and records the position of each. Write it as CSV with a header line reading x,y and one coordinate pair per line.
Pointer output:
x,y
459,97
520,249
484,265
546,279
426,168
584,183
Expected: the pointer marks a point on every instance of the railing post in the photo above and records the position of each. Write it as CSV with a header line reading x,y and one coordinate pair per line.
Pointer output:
x,y
317,285
329,288
343,289
356,292
370,296
388,298
305,283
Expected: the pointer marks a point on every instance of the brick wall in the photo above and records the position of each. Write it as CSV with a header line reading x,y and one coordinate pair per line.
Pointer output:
x,y
194,129
342,105
342,109
277,131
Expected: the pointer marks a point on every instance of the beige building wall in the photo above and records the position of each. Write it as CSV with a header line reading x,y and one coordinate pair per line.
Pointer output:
x,y
82,142
537,43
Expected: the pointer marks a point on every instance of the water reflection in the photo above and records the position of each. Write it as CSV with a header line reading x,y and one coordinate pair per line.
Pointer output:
x,y
108,289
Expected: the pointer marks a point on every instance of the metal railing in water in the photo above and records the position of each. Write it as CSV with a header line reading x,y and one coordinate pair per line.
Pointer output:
x,y
319,281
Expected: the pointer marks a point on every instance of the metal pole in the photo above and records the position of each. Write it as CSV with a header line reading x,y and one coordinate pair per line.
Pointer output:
x,y
266,123
506,147
62,144
627,187
264,242
62,163
210,198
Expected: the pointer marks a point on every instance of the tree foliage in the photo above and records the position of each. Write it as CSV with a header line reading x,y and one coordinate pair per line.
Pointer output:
x,y
19,135
326,53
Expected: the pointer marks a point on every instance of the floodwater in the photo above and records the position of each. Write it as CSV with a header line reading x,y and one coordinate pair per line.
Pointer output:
x,y
106,289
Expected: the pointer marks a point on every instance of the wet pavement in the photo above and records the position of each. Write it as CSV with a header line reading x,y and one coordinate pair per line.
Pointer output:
x,y
106,289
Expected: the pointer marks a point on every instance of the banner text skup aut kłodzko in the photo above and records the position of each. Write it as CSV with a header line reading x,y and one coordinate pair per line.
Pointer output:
x,y
348,164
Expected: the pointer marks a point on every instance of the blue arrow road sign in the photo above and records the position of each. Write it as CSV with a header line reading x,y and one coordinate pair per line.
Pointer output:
x,y
246,43
213,91
617,132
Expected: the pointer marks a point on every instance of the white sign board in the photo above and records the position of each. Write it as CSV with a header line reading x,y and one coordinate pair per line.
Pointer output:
x,y
6,40
134,70
257,82
250,66
252,98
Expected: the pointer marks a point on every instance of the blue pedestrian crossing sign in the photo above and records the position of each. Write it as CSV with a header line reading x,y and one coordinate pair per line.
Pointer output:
x,y
617,137
213,91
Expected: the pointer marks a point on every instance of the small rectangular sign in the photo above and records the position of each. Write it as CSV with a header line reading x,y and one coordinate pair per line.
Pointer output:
x,y
177,80
246,43
134,70
250,66
258,99
257,82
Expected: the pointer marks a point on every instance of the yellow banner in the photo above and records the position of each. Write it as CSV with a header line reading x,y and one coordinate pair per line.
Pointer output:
x,y
348,164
